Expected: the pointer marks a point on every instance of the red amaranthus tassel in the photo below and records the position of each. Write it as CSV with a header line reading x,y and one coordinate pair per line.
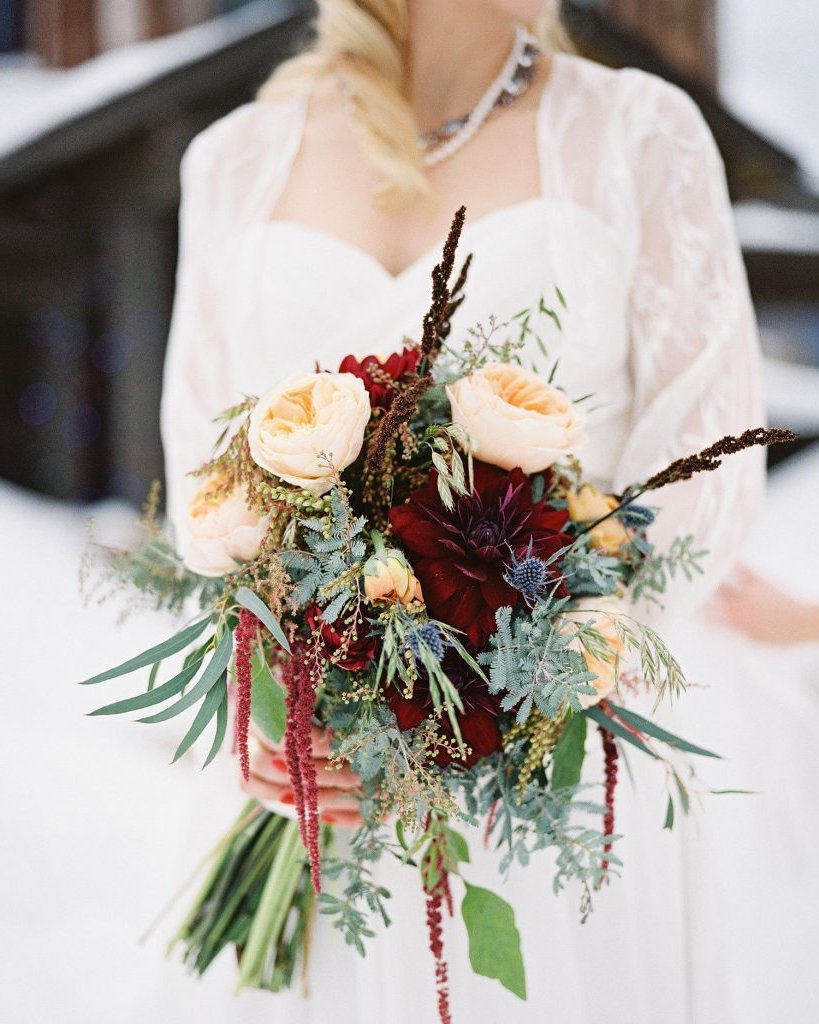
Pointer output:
x,y
610,755
243,638
301,766
435,903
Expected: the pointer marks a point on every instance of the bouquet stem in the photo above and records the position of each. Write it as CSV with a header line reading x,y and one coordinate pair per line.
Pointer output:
x,y
257,898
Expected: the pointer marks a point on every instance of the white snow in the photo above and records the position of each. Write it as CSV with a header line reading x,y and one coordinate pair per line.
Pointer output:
x,y
34,99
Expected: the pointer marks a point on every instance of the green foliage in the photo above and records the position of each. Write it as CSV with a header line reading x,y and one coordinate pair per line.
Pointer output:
x,y
568,754
267,706
494,940
178,642
654,571
361,897
658,666
253,603
589,573
328,571
152,568
535,664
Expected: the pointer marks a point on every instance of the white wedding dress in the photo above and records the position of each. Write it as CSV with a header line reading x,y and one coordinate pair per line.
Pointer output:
x,y
634,225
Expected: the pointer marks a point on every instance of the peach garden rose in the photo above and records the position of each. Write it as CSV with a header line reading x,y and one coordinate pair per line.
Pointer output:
x,y
306,420
602,613
515,418
221,530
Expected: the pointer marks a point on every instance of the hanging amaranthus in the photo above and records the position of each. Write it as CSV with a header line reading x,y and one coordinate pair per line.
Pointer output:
x,y
301,767
243,638
610,759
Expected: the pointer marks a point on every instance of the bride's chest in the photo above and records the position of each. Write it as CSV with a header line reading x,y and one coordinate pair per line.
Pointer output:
x,y
291,296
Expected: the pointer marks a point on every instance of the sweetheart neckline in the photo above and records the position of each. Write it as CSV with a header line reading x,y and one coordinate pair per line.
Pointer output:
x,y
426,259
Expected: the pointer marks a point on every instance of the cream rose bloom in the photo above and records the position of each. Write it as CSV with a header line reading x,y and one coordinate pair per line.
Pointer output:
x,y
307,416
515,418
221,530
388,576
602,613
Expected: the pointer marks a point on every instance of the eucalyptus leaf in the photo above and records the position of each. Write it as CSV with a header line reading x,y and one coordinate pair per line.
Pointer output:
x,y
221,729
669,815
494,940
178,642
207,709
614,727
210,677
651,729
247,599
151,697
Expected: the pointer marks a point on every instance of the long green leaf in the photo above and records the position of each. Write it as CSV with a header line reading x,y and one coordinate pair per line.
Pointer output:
x,y
151,697
247,599
569,752
221,729
267,703
650,729
613,726
210,677
178,642
207,709
494,940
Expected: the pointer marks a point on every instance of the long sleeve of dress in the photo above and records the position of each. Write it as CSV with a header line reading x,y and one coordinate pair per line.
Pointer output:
x,y
695,353
195,386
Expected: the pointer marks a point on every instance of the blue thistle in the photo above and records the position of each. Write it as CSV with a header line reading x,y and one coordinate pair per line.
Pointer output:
x,y
430,636
530,576
637,516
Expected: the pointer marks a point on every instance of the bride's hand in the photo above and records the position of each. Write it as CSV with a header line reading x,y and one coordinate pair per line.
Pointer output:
x,y
754,606
270,782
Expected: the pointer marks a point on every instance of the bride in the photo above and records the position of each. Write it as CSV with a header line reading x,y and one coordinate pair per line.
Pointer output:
x,y
311,219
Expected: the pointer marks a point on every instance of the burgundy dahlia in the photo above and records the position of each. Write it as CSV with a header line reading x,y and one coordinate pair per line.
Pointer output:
x,y
478,721
460,557
381,377
348,645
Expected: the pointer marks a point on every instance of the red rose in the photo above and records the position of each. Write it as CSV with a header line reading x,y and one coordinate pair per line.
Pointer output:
x,y
358,645
380,378
478,722
461,557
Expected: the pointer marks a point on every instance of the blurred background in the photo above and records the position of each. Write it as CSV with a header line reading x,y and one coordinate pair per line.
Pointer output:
x,y
98,100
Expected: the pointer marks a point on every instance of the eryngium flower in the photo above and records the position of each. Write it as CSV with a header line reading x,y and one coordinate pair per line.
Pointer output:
x,y
461,557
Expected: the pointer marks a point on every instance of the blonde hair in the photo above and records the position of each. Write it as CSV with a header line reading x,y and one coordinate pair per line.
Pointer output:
x,y
366,42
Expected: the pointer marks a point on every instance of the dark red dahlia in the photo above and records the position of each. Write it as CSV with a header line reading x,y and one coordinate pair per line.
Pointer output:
x,y
461,557
353,639
380,378
478,721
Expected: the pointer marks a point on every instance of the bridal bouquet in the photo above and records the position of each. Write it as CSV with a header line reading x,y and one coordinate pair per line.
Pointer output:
x,y
406,553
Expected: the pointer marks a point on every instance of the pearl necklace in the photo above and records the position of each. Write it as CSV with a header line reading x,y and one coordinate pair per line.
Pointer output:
x,y
512,81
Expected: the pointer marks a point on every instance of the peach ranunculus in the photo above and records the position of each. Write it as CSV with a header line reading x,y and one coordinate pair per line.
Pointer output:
x,y
306,420
221,530
602,614
388,577
514,418
587,504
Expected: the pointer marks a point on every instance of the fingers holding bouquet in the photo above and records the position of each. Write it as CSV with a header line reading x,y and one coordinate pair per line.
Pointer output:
x,y
269,781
